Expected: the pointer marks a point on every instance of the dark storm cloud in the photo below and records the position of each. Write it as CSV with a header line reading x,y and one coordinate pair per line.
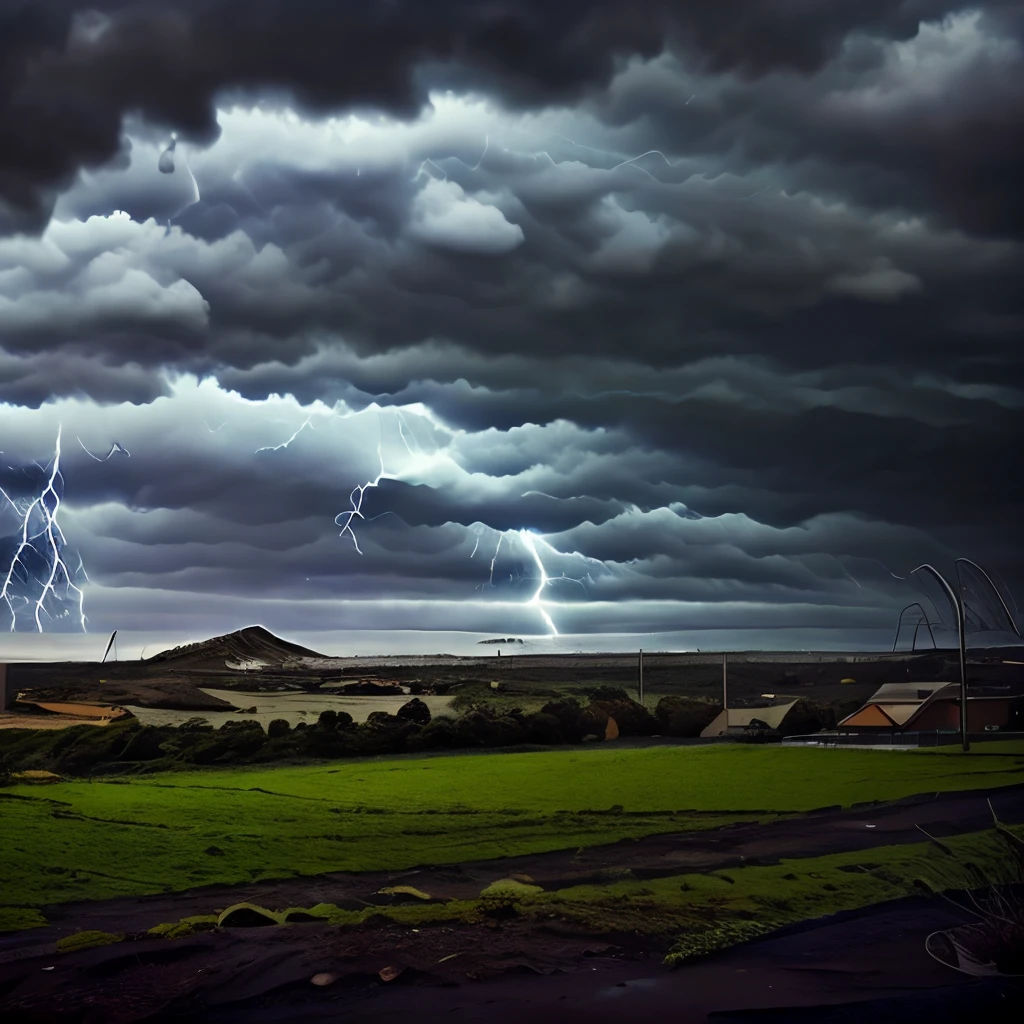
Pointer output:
x,y
72,70
753,371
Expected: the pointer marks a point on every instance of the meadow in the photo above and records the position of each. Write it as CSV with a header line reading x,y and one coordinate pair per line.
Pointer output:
x,y
75,840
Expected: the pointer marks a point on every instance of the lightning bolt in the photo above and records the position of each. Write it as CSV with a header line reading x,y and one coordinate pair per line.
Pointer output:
x,y
537,600
530,541
501,537
423,170
630,161
284,444
356,498
51,539
757,193
114,449
487,142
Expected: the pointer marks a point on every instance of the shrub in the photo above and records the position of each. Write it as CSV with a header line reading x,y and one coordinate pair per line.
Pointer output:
x,y
479,728
807,716
233,741
605,693
277,728
633,719
437,734
196,724
91,747
144,744
317,742
573,723
387,737
543,728
414,710
684,716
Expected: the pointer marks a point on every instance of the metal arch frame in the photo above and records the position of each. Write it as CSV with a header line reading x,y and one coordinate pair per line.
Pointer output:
x,y
923,621
958,610
988,579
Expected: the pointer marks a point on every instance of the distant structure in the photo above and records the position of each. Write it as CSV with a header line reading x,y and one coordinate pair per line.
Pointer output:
x,y
922,621
737,721
927,707
977,605
983,607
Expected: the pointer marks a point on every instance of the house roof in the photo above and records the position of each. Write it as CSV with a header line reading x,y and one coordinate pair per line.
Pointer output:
x,y
906,693
741,717
899,704
900,714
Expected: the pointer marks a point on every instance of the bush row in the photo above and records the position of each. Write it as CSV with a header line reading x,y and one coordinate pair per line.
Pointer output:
x,y
131,746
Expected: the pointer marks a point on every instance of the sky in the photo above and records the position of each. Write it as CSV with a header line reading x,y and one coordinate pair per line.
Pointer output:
x,y
507,317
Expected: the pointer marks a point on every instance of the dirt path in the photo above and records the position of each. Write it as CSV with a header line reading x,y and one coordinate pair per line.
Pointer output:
x,y
809,835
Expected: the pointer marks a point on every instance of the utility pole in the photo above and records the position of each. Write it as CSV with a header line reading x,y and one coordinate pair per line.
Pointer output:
x,y
640,675
725,687
110,643
961,630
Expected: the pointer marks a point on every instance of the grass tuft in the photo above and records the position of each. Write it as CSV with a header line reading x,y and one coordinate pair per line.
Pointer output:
x,y
87,940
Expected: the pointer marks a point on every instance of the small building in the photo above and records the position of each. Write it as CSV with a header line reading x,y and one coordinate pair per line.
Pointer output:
x,y
927,707
740,720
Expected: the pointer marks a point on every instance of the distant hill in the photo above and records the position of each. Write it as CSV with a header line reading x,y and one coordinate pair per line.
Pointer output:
x,y
248,647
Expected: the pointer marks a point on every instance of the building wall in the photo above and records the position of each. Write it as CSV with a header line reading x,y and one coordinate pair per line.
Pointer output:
x,y
940,714
945,714
987,712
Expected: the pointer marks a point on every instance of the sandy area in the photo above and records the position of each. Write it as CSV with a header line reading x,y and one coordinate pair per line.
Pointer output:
x,y
293,707
9,721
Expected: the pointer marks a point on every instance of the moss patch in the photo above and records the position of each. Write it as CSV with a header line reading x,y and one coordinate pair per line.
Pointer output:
x,y
15,919
87,940
184,927
404,890
509,888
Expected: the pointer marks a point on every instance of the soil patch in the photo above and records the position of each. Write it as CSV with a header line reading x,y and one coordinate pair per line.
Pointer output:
x,y
500,972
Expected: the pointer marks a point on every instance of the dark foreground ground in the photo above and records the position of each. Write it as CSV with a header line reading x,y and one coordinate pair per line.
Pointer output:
x,y
511,969
869,966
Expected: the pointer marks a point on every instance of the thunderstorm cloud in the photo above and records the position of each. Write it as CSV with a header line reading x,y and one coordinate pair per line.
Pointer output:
x,y
641,317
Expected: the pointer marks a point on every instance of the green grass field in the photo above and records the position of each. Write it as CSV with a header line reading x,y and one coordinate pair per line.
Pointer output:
x,y
91,840
1012,747
695,914
718,909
